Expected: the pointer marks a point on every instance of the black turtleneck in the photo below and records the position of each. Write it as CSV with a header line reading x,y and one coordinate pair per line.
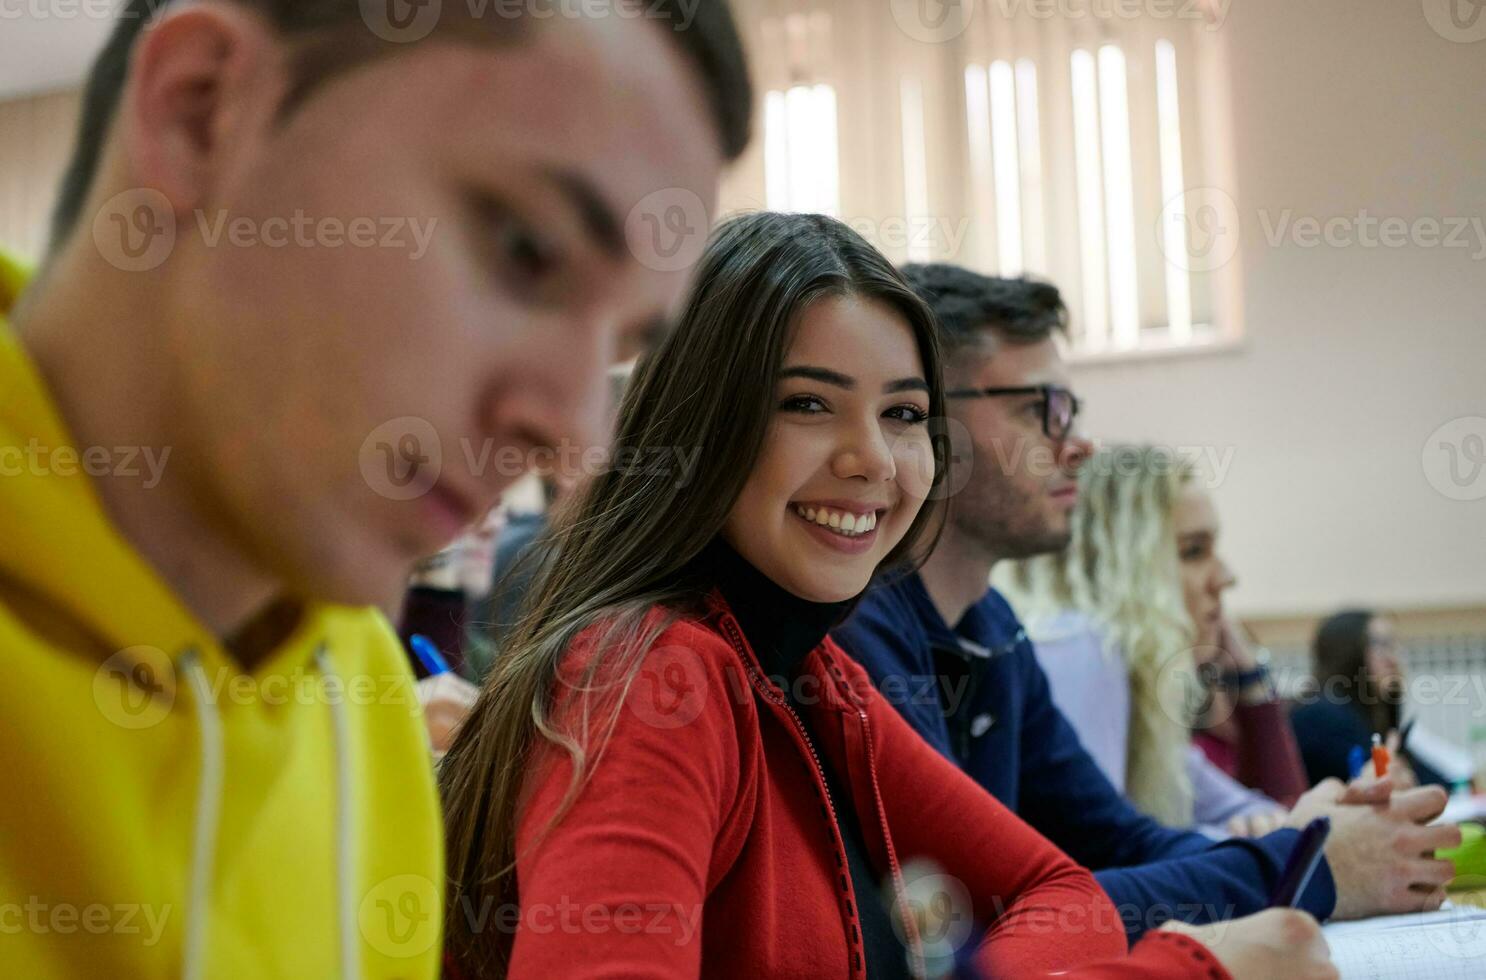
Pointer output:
x,y
782,629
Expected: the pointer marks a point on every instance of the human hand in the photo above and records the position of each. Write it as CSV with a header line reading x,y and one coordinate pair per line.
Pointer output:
x,y
1380,851
1237,655
1400,773
446,699
1276,944
1257,824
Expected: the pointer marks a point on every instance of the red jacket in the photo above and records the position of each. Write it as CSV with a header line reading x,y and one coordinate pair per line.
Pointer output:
x,y
703,843
1266,756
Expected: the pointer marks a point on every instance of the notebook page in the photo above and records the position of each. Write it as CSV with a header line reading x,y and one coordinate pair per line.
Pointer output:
x,y
1453,950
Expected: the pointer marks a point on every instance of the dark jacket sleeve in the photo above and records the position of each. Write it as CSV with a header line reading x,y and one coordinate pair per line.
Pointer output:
x,y
1152,873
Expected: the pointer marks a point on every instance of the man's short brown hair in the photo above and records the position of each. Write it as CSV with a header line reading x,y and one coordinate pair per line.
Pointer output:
x,y
330,37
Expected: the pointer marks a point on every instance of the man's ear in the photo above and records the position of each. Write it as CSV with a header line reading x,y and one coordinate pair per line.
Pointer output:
x,y
200,79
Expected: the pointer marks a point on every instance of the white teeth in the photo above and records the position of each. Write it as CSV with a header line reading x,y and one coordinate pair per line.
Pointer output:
x,y
845,524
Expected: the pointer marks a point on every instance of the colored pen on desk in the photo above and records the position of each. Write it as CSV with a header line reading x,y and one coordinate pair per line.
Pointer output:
x,y
428,655
1302,864
1379,756
1356,759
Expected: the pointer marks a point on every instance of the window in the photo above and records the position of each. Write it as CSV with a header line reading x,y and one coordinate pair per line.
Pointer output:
x,y
915,166
1088,150
1113,221
801,172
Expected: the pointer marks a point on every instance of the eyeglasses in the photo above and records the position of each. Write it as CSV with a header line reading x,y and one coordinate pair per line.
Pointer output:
x,y
1060,407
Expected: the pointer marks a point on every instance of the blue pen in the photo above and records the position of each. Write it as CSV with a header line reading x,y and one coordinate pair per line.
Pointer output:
x,y
1356,759
428,655
1302,864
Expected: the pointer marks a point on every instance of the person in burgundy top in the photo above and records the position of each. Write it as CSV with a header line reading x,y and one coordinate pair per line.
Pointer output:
x,y
673,772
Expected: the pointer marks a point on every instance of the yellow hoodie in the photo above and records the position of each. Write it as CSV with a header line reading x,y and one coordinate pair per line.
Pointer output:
x,y
165,813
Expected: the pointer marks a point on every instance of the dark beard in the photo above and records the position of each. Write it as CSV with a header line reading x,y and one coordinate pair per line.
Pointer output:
x,y
1008,526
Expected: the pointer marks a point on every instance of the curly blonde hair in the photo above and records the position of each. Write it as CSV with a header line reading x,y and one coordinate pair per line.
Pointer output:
x,y
1122,571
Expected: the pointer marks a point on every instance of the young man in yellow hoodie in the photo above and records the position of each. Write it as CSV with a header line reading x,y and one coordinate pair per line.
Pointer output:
x,y
323,275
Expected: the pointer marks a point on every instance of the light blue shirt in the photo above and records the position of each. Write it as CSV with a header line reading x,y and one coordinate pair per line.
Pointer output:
x,y
1091,686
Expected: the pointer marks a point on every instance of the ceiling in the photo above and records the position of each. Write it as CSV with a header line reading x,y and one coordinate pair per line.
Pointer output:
x,y
49,44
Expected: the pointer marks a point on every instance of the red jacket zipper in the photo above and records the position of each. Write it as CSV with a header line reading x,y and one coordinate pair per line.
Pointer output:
x,y
768,690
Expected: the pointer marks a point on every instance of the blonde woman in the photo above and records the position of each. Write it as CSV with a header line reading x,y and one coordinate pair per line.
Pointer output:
x,y
1130,631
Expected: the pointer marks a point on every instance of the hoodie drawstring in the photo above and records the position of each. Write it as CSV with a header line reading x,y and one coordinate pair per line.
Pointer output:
x,y
344,860
209,811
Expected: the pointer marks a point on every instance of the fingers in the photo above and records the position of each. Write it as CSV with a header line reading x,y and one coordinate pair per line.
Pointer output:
x,y
1257,824
1329,790
1368,792
447,689
1177,925
1301,934
1431,875
1420,805
1430,899
1428,839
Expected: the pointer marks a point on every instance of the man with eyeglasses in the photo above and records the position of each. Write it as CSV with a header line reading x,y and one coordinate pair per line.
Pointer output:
x,y
949,653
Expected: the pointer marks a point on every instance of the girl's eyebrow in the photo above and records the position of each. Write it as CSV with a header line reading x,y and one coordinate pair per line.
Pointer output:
x,y
827,376
906,384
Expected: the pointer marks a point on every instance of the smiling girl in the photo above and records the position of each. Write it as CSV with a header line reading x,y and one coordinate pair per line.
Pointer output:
x,y
673,772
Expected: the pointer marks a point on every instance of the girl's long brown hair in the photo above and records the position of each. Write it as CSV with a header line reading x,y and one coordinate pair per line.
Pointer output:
x,y
623,544
1339,653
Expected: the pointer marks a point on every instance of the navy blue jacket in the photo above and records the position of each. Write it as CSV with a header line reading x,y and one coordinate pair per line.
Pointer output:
x,y
977,694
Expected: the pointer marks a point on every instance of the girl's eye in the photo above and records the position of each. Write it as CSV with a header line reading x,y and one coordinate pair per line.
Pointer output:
x,y
1192,553
805,404
911,414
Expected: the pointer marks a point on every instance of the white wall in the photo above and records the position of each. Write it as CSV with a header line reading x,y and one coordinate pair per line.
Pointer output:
x,y
1353,356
